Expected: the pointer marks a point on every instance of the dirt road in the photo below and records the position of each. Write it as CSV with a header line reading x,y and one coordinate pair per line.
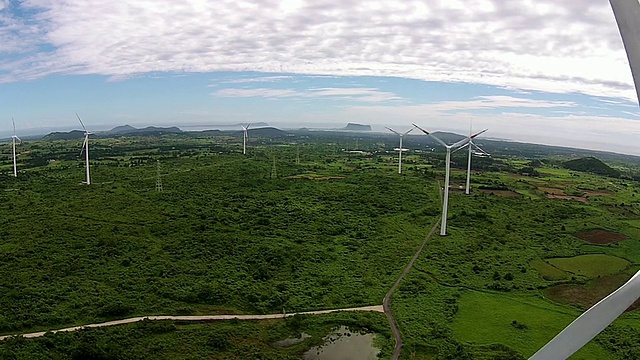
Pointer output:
x,y
376,308
387,298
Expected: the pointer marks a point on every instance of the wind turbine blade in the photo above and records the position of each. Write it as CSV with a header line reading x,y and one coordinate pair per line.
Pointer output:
x,y
84,144
461,147
81,123
408,131
248,126
17,138
627,14
591,322
438,140
421,129
14,126
393,131
461,143
479,148
476,134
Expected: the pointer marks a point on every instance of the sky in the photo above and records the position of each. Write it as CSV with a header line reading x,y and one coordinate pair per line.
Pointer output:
x,y
544,71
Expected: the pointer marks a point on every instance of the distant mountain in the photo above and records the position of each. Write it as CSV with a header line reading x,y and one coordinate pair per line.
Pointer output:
x,y
121,130
356,127
73,134
253,125
591,165
269,132
129,130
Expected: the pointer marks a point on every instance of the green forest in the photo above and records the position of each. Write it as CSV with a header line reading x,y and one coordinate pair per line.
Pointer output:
x,y
304,223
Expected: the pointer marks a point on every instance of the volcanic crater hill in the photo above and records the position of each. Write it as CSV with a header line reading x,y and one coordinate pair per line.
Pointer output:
x,y
591,165
356,127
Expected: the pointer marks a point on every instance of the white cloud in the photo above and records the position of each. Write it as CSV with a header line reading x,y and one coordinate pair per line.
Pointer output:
x,y
573,130
268,79
353,94
259,92
548,45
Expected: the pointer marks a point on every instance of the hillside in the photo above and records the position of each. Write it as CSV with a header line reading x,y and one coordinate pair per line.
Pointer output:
x,y
267,132
70,135
128,130
591,165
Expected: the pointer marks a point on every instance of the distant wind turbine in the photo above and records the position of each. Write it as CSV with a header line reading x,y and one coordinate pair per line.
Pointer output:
x,y
14,137
85,148
400,149
470,145
445,203
245,136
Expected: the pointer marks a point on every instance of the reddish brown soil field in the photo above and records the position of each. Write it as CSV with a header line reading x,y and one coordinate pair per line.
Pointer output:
x,y
567,197
587,295
599,236
552,191
502,193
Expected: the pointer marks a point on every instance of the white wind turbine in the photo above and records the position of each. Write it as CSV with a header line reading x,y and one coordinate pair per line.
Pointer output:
x,y
85,148
400,149
445,203
470,145
600,315
245,135
14,137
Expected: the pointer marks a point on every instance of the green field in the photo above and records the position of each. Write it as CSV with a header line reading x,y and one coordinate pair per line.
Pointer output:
x,y
238,234
548,272
592,265
523,323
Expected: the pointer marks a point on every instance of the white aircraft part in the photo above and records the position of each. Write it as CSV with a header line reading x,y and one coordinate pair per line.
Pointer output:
x,y
627,13
591,322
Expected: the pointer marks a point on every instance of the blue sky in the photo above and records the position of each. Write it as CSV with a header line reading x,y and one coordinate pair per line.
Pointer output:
x,y
530,71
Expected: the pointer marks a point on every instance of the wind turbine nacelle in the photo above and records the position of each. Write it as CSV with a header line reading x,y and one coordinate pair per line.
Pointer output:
x,y
403,150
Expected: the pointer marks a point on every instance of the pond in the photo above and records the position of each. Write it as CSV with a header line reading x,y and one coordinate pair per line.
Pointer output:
x,y
344,344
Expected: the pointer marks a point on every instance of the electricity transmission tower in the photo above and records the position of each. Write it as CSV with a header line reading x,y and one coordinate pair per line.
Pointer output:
x,y
274,170
159,179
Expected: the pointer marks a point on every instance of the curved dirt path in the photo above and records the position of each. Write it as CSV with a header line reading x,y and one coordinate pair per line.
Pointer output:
x,y
376,308
387,298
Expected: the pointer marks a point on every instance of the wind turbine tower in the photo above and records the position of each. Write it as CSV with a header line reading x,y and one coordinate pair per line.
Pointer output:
x,y
85,148
445,203
274,169
470,144
245,136
400,149
14,137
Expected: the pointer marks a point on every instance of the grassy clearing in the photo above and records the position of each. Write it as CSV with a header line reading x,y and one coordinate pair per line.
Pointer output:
x,y
522,323
548,272
592,265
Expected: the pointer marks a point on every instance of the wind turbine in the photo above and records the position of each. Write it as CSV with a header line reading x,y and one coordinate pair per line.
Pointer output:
x,y
470,145
85,148
445,203
400,149
600,315
245,135
14,137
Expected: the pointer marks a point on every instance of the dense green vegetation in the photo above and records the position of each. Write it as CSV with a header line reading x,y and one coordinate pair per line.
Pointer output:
x,y
174,340
301,224
591,165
